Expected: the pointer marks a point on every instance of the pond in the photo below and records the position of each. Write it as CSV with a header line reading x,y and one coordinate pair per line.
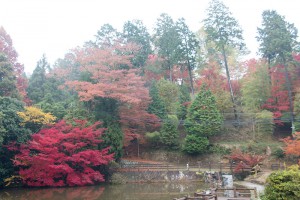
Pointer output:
x,y
132,191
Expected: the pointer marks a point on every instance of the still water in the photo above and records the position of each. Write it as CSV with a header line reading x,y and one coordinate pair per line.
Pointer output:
x,y
150,191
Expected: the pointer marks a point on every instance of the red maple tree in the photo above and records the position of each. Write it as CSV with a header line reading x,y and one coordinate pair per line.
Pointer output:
x,y
244,160
63,155
278,102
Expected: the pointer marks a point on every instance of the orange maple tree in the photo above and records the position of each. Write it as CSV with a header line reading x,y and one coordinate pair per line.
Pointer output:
x,y
292,145
113,76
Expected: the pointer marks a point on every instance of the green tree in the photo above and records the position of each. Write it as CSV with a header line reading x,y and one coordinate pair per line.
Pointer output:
x,y
157,105
169,134
107,36
7,78
184,99
187,48
278,40
135,32
225,32
256,88
169,94
113,138
166,40
36,87
195,144
203,118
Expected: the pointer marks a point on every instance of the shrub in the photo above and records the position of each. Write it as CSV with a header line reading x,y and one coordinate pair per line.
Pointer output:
x,y
118,179
283,185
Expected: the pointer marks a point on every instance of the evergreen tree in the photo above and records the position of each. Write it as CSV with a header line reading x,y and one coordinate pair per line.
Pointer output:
x,y
113,138
166,40
36,88
278,40
157,106
187,49
7,78
203,118
135,32
194,144
169,94
184,99
10,131
225,32
169,134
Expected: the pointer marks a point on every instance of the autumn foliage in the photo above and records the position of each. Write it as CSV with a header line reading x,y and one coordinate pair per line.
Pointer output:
x,y
63,155
244,160
293,145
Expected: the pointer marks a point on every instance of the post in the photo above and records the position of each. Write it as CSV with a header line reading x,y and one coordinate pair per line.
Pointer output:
x,y
234,192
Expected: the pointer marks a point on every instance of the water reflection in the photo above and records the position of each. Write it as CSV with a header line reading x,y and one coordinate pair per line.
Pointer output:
x,y
75,193
153,191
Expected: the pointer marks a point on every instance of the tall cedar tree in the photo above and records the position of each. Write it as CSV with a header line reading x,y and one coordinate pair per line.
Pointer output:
x,y
36,87
278,40
203,118
135,32
187,49
225,32
63,155
166,40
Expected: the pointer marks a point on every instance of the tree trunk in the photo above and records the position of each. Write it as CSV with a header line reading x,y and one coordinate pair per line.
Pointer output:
x,y
229,83
191,77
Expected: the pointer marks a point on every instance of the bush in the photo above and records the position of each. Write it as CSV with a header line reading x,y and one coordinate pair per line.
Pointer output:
x,y
278,153
283,185
118,179
194,144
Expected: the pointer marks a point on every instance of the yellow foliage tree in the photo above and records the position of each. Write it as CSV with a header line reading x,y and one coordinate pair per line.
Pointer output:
x,y
34,118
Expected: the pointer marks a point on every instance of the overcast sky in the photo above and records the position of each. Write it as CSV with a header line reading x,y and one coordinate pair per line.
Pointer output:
x,y
52,27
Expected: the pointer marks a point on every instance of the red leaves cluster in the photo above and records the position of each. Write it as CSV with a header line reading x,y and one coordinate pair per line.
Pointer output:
x,y
279,101
63,155
112,75
245,160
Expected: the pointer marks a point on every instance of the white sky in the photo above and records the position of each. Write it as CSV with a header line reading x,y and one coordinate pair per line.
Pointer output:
x,y
55,26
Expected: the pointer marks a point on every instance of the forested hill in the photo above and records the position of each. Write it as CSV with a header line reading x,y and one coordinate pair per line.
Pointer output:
x,y
174,89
